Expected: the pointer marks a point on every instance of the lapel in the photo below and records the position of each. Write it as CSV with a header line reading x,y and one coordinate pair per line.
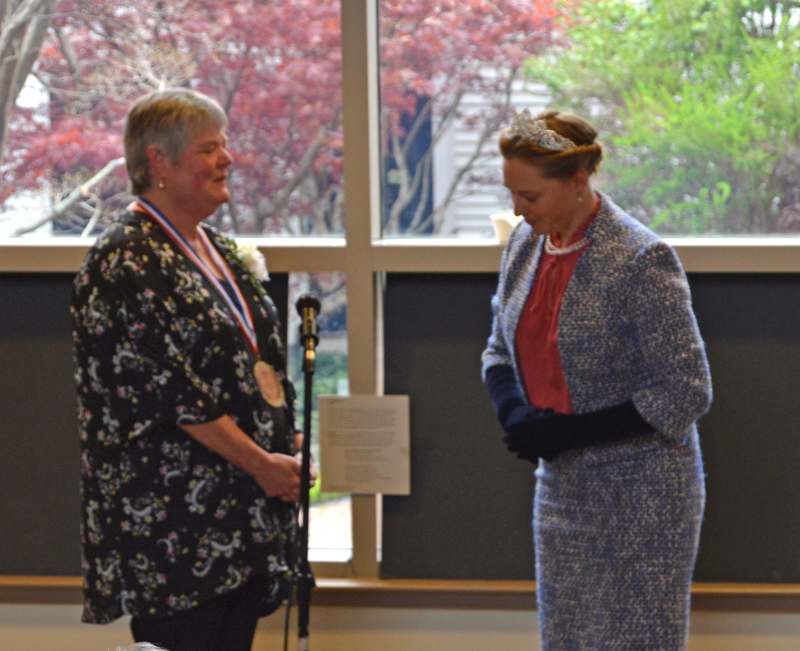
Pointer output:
x,y
519,280
592,270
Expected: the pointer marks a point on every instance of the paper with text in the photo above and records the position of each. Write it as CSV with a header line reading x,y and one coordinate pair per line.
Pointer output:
x,y
364,444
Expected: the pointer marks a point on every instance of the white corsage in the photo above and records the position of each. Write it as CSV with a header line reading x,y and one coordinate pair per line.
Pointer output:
x,y
254,261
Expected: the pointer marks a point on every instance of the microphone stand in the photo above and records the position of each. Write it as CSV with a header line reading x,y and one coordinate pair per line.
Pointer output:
x,y
308,306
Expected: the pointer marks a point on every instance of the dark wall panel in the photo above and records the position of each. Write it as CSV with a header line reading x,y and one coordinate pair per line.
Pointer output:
x,y
470,509
469,512
39,463
751,436
39,453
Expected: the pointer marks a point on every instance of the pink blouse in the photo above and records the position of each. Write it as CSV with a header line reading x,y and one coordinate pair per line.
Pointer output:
x,y
537,330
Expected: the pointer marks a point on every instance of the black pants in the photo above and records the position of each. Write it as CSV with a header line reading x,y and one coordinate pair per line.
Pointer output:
x,y
226,623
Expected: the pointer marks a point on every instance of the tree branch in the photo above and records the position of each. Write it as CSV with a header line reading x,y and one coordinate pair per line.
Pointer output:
x,y
68,51
419,120
4,7
81,191
96,212
408,185
231,92
419,213
10,37
489,129
282,196
31,45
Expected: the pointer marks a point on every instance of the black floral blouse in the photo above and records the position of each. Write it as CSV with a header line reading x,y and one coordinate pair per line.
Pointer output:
x,y
166,522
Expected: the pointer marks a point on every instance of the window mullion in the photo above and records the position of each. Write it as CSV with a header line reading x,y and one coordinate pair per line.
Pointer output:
x,y
362,206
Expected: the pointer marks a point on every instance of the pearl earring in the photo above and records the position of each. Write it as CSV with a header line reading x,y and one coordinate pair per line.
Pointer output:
x,y
161,185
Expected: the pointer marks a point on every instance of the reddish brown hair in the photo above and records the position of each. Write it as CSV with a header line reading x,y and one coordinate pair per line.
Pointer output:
x,y
557,164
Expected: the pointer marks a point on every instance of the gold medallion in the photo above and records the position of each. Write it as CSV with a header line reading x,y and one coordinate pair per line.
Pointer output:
x,y
269,384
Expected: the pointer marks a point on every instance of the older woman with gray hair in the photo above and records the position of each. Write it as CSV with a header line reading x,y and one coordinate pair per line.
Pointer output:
x,y
189,473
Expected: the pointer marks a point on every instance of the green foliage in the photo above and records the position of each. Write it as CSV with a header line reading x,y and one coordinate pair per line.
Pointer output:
x,y
316,496
698,103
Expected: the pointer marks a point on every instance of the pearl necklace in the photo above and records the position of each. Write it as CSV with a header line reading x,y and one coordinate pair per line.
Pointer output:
x,y
551,248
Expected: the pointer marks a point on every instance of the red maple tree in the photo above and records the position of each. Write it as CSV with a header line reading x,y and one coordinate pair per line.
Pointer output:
x,y
275,67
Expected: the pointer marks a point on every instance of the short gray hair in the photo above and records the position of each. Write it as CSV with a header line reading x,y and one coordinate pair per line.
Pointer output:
x,y
141,646
167,119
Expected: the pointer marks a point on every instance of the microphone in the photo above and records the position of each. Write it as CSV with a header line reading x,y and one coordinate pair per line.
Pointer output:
x,y
308,306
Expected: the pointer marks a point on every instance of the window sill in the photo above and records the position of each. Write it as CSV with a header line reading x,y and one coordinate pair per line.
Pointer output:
x,y
733,254
65,255
421,255
438,594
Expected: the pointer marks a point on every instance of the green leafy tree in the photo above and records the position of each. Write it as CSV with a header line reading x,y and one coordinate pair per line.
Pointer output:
x,y
698,102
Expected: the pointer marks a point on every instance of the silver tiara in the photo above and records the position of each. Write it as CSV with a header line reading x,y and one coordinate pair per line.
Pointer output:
x,y
536,131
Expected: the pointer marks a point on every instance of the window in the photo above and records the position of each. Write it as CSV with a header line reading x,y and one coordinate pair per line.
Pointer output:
x,y
274,67
697,105
365,254
330,518
450,75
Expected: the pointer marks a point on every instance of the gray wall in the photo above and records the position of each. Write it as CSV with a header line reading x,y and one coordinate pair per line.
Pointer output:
x,y
469,512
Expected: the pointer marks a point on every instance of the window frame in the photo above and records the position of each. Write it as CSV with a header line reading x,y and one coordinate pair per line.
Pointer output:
x,y
365,257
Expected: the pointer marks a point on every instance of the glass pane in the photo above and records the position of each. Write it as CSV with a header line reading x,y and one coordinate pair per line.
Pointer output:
x,y
330,530
696,102
275,67
451,73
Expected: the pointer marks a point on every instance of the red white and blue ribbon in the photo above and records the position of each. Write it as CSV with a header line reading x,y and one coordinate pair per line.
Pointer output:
x,y
237,303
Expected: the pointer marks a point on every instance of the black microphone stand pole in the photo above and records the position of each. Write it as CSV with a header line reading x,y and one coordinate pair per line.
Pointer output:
x,y
308,306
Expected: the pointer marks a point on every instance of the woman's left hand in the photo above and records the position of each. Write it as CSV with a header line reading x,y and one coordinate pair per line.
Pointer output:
x,y
277,474
533,433
298,445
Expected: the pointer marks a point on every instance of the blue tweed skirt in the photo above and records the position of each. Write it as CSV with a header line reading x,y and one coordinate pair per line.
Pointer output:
x,y
616,530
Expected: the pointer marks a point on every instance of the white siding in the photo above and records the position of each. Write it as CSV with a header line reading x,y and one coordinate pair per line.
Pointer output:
x,y
468,213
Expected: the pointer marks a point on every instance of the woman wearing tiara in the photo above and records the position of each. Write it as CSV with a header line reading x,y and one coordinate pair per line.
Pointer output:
x,y
189,475
598,374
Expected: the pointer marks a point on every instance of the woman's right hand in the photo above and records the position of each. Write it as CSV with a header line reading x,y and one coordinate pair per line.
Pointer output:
x,y
280,477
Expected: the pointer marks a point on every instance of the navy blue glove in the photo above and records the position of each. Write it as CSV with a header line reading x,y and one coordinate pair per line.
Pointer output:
x,y
503,391
533,433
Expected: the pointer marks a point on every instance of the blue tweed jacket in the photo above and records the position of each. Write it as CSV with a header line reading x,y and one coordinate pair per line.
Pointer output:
x,y
626,329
